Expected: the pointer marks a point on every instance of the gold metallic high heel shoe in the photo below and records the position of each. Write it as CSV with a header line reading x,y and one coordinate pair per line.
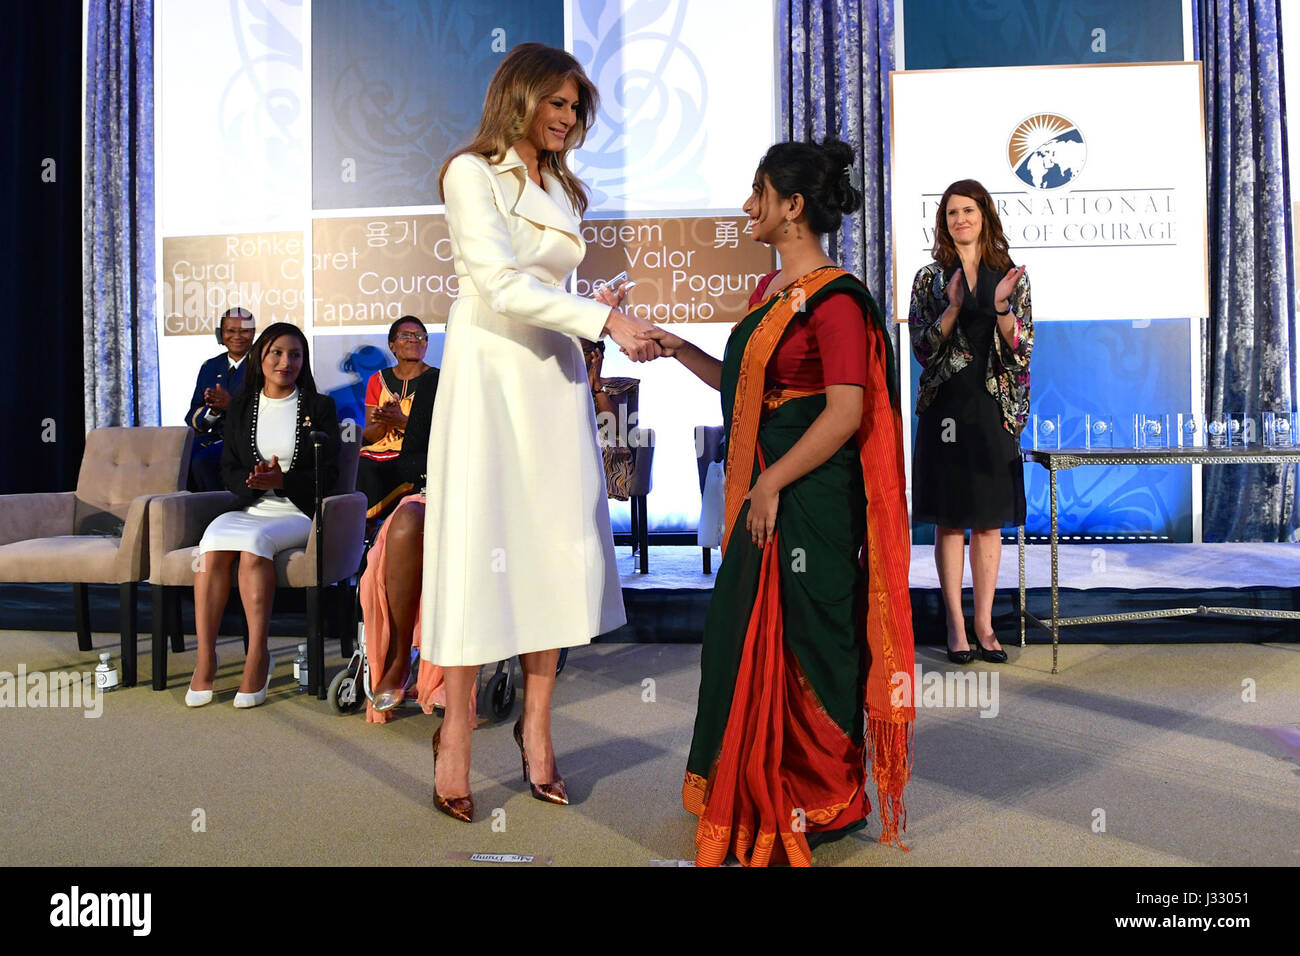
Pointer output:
x,y
386,700
553,792
458,808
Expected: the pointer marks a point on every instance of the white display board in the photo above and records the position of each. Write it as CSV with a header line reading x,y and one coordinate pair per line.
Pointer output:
x,y
231,136
1098,173
231,156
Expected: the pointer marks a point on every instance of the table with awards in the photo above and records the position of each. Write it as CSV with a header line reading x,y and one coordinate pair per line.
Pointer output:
x,y
1061,459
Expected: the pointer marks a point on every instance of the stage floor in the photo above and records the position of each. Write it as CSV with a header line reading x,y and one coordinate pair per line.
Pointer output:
x,y
670,603
1190,567
1157,738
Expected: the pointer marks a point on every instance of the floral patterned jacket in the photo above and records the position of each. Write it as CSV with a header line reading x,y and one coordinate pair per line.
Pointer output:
x,y
940,359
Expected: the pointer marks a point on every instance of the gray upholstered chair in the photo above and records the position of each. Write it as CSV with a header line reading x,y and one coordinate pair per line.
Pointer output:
x,y
642,441
177,523
708,449
97,534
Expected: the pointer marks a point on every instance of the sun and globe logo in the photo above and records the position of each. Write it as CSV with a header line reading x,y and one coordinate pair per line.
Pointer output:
x,y
1046,151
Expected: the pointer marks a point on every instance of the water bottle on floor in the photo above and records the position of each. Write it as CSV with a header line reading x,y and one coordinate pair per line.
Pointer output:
x,y
106,673
300,669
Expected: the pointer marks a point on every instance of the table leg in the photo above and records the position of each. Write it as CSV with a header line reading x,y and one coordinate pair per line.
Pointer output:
x,y
1056,609
1020,542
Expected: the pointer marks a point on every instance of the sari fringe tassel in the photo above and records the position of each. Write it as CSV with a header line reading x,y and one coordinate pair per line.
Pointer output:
x,y
889,747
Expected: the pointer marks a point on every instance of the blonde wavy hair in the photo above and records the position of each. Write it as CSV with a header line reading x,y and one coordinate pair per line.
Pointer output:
x,y
530,73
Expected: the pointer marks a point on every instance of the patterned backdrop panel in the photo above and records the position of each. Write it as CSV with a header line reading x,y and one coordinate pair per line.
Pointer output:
x,y
945,34
232,148
1113,370
686,108
398,84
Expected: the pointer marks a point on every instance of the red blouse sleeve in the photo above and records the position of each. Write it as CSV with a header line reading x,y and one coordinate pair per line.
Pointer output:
x,y
374,389
841,332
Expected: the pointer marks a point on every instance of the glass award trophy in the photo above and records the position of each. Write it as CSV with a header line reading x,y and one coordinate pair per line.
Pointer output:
x,y
1098,431
1190,428
1152,431
1047,432
1216,432
1241,430
1279,429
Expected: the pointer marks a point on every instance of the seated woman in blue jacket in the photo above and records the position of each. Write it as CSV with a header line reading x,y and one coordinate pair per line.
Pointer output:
x,y
219,379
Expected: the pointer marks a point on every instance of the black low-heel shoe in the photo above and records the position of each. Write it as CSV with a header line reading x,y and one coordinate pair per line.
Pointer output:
x,y
991,657
961,657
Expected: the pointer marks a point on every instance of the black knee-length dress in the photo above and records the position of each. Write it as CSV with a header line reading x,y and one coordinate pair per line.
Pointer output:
x,y
966,467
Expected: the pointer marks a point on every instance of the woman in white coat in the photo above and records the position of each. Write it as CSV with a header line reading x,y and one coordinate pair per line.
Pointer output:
x,y
519,558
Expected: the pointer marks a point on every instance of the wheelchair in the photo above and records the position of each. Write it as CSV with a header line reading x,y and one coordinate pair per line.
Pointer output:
x,y
350,688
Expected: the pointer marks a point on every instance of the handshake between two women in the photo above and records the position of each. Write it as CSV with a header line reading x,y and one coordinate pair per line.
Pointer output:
x,y
641,341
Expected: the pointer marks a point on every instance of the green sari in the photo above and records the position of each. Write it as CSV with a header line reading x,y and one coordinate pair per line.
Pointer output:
x,y
788,663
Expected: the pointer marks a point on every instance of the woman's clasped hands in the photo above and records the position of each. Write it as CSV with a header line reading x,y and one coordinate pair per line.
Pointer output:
x,y
390,414
669,344
266,475
627,331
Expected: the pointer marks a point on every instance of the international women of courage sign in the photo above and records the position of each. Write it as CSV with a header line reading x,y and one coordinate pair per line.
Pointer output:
x,y
1098,173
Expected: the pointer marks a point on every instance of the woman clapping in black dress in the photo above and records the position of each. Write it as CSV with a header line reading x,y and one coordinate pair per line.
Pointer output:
x,y
972,332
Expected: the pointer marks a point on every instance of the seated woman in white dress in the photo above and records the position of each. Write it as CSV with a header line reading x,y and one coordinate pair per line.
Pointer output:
x,y
268,462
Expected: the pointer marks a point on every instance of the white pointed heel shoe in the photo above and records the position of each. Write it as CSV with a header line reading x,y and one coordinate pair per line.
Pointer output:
x,y
243,700
197,698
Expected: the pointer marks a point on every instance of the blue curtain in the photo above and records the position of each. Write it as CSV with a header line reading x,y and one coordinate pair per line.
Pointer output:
x,y
835,57
40,246
120,339
1249,343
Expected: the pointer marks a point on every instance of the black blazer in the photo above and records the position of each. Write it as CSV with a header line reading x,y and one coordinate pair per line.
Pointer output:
x,y
238,456
215,371
413,459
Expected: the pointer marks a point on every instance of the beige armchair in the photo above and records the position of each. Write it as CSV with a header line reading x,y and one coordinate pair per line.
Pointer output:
x,y
177,523
97,534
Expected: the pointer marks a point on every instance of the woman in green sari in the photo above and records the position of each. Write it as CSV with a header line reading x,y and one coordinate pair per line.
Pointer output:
x,y
810,622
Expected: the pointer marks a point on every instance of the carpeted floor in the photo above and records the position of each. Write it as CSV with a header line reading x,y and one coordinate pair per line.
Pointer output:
x,y
1155,742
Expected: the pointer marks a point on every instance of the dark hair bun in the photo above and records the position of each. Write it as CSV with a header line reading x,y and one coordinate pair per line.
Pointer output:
x,y
838,152
820,172
840,193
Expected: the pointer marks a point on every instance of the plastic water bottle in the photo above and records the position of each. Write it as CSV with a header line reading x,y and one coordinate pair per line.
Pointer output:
x,y
106,673
300,668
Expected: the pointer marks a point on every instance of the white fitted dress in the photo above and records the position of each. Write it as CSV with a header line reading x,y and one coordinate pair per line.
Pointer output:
x,y
271,523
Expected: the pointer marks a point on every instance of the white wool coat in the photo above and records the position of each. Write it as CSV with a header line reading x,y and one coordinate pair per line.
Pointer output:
x,y
518,554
